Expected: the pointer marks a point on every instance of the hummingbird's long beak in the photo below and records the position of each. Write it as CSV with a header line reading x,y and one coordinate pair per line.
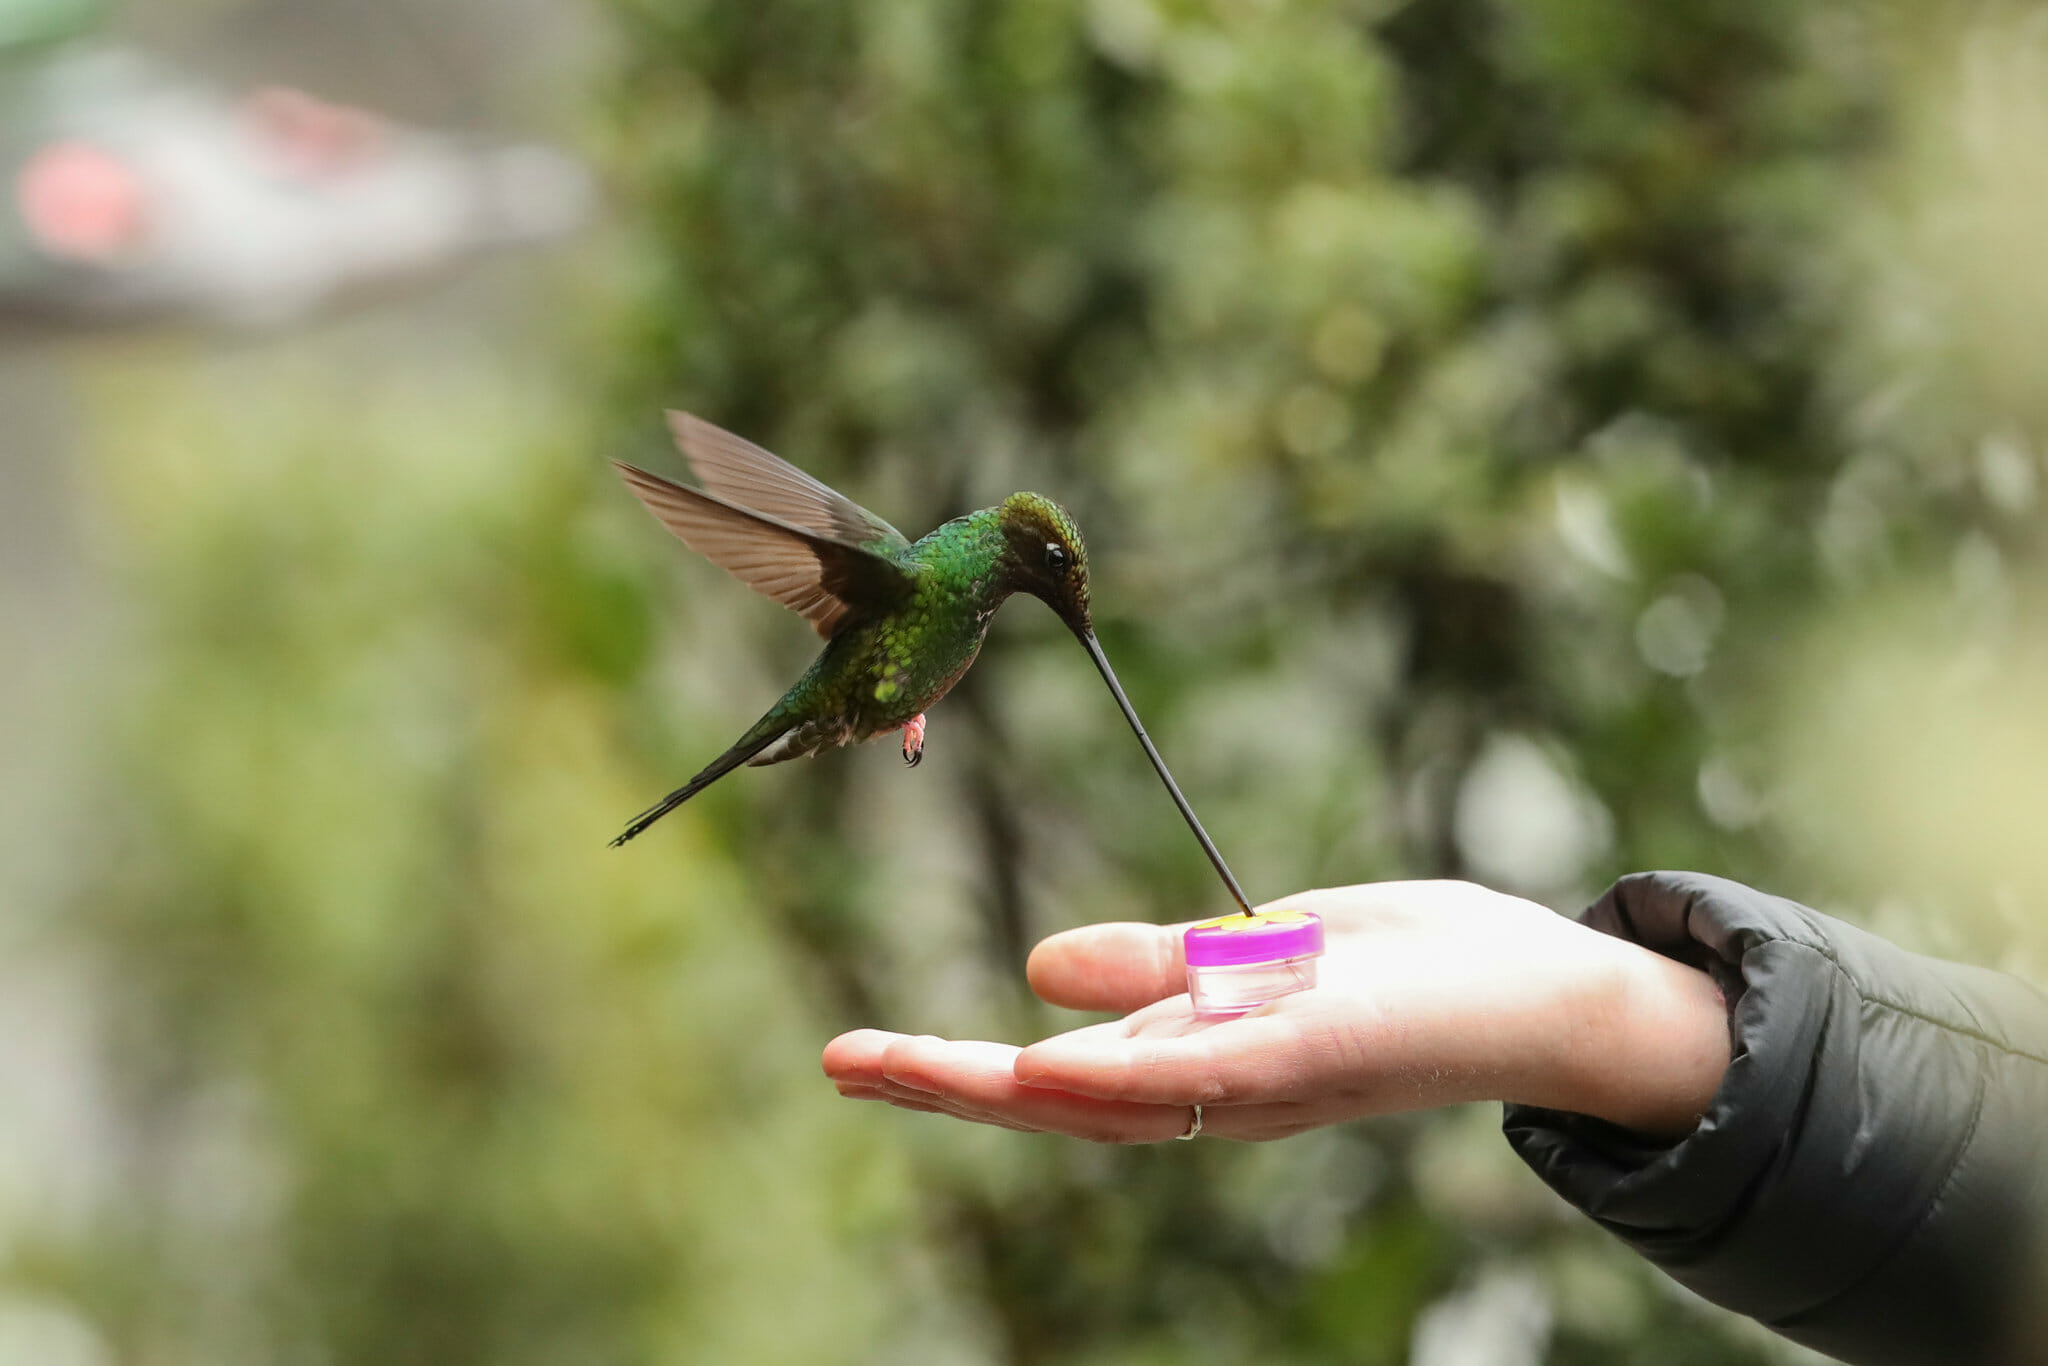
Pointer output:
x,y
1116,689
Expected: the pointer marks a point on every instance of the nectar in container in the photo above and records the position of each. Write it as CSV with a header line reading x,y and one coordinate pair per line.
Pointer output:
x,y
1237,963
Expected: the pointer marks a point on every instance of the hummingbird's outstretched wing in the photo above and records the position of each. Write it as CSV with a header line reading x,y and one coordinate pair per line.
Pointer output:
x,y
817,576
742,473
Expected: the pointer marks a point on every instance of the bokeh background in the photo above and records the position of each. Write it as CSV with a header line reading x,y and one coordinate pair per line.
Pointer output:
x,y
1526,440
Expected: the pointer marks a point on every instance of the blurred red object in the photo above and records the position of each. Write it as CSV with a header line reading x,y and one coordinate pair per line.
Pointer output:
x,y
82,203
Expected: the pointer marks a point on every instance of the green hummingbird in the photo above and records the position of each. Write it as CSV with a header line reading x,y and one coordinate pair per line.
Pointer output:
x,y
902,619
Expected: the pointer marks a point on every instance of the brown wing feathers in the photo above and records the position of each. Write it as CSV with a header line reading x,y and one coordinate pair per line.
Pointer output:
x,y
816,576
741,473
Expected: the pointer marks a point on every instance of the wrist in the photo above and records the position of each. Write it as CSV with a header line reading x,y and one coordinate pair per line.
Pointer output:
x,y
1646,1045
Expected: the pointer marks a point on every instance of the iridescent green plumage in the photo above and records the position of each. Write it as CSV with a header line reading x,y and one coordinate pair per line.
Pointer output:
x,y
878,672
902,620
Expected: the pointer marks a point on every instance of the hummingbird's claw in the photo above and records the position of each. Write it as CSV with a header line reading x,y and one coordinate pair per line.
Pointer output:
x,y
913,740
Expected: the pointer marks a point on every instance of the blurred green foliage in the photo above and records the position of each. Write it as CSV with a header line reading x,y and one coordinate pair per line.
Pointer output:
x,y
1477,413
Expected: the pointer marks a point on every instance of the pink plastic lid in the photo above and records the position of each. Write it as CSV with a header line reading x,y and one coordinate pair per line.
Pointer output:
x,y
1268,937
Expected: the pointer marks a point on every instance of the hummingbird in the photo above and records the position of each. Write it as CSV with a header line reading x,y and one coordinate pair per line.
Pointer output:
x,y
902,620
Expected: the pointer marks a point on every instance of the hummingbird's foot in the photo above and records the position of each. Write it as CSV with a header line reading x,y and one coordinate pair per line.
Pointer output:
x,y
913,740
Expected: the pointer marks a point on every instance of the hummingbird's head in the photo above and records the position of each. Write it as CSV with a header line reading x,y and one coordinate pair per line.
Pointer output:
x,y
1044,557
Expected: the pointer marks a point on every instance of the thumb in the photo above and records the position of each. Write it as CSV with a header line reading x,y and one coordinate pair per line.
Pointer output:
x,y
1120,966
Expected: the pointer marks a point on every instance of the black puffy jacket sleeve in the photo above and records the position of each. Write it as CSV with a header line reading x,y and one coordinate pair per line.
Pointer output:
x,y
1872,1175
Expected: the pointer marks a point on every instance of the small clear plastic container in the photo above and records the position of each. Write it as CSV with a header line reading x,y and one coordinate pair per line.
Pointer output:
x,y
1237,963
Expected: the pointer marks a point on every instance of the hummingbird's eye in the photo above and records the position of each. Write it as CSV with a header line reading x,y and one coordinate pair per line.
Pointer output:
x,y
1056,557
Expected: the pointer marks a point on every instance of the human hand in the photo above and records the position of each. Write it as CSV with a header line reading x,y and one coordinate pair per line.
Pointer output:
x,y
1429,994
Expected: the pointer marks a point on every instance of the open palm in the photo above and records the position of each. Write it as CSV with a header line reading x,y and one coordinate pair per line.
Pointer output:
x,y
1430,993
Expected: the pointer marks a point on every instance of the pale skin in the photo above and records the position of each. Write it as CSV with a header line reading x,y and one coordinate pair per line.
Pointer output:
x,y
1430,994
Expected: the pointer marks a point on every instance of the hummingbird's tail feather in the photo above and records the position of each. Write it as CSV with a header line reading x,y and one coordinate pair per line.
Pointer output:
x,y
753,742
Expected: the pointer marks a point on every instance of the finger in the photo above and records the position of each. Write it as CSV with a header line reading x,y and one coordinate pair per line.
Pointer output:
x,y
858,1065
1160,1058
979,1079
910,1100
856,1057
902,1102
957,1079
904,1098
1119,966
1242,1123
855,1062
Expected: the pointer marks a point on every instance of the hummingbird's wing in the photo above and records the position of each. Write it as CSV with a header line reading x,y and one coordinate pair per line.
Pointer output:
x,y
741,473
818,577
